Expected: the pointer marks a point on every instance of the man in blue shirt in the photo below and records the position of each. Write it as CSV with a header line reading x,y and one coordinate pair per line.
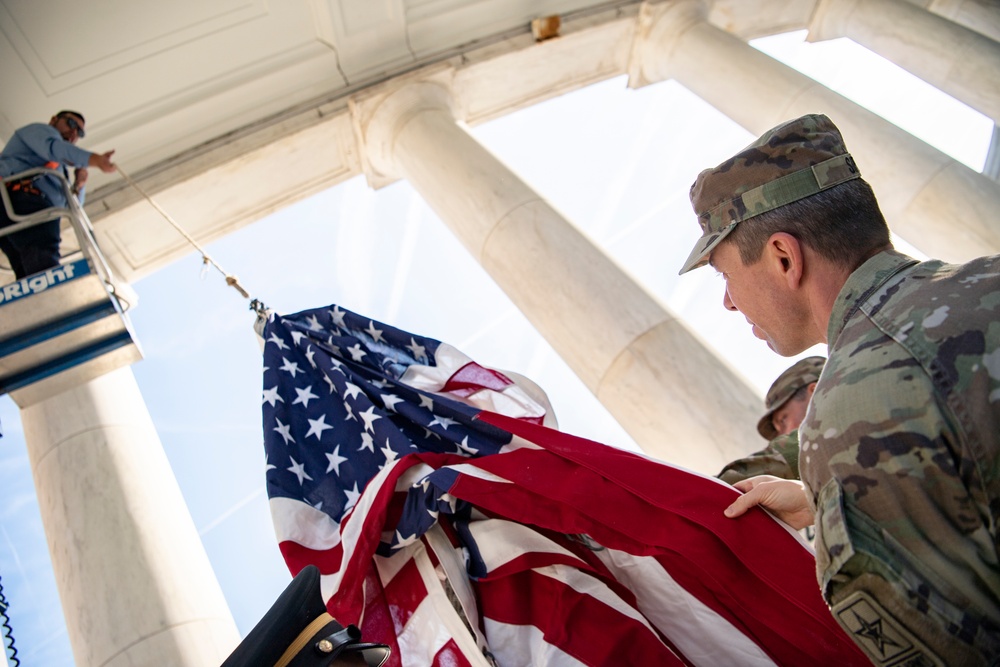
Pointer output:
x,y
53,146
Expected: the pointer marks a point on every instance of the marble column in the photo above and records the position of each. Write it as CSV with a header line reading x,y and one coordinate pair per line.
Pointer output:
x,y
992,166
979,15
133,577
936,203
662,384
950,57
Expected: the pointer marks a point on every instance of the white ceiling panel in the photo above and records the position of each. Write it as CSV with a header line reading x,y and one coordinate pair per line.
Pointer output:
x,y
369,37
155,79
47,36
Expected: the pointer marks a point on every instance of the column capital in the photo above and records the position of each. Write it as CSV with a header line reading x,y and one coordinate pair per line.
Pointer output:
x,y
658,29
829,19
380,116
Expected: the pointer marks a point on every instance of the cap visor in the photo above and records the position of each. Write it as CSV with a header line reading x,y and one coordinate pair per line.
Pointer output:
x,y
703,248
766,427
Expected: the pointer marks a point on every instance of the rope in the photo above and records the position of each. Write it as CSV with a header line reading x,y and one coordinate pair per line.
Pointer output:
x,y
255,304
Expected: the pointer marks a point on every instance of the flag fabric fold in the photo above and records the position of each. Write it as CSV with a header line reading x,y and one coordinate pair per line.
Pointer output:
x,y
451,523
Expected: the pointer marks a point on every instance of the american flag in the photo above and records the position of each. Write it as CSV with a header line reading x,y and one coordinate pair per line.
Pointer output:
x,y
449,522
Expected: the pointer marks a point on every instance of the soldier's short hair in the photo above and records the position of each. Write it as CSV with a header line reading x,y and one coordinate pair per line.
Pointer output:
x,y
842,224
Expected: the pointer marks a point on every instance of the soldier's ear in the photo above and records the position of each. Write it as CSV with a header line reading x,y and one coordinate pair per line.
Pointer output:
x,y
784,251
810,388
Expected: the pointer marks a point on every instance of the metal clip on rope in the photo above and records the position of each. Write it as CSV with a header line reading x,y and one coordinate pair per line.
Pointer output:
x,y
231,280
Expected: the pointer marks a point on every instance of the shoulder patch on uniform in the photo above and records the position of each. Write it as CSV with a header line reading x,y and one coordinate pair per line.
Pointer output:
x,y
879,635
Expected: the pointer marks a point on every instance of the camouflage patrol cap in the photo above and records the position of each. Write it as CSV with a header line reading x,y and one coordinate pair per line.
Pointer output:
x,y
801,374
790,162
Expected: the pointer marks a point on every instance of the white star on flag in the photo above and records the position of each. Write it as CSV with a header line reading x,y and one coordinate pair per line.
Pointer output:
x,y
271,396
404,541
290,366
335,460
369,417
443,421
352,496
277,341
376,334
304,396
351,390
284,431
299,470
317,426
418,350
337,315
390,401
390,453
467,447
450,499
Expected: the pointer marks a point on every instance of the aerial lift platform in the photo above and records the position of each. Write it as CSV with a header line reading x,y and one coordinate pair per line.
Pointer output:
x,y
67,325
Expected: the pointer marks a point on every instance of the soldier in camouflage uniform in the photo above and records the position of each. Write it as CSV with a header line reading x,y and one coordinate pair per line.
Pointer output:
x,y
785,407
899,447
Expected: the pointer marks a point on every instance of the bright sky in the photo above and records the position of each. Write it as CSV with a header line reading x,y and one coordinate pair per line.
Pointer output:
x,y
616,162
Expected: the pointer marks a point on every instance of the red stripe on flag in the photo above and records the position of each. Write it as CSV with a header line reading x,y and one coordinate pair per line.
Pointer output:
x,y
529,560
472,377
694,562
575,622
450,656
377,624
407,591
298,556
760,575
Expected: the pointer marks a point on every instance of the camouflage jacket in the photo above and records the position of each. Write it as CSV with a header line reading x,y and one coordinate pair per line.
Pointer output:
x,y
780,458
899,456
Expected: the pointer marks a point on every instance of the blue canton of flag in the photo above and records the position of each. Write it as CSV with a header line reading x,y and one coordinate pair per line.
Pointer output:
x,y
336,408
